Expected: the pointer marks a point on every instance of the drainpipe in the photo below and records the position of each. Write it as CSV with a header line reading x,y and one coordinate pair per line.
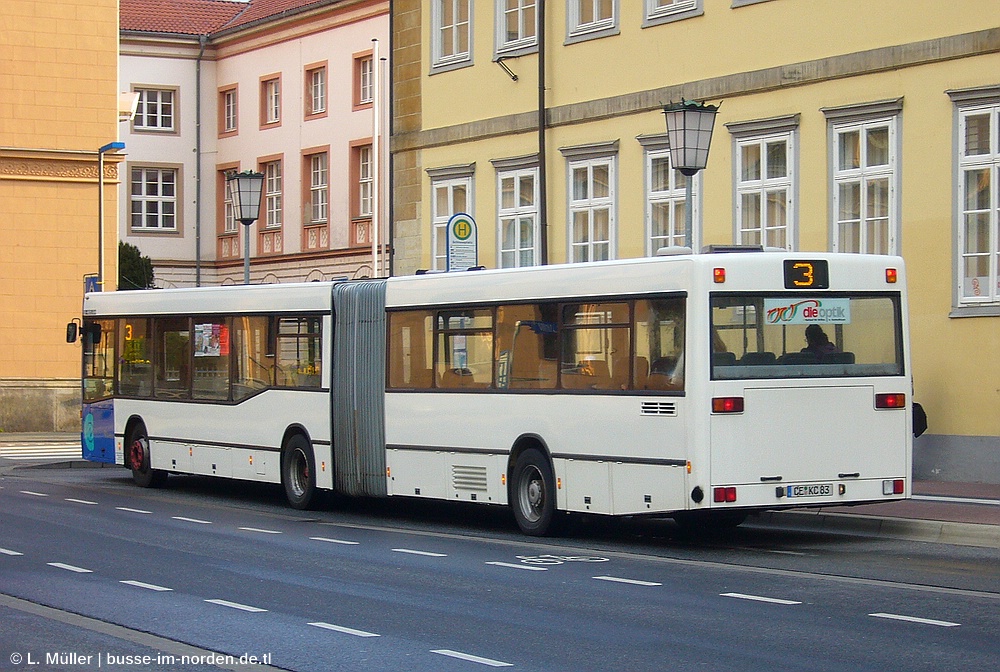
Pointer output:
x,y
202,40
543,221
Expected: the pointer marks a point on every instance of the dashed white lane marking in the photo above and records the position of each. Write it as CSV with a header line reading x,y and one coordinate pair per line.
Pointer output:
x,y
237,605
7,551
472,659
346,631
70,568
758,598
957,500
192,520
634,582
125,508
915,619
511,565
424,553
147,586
336,541
259,530
81,501
33,494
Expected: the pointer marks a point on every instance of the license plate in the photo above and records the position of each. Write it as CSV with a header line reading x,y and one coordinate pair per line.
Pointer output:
x,y
815,490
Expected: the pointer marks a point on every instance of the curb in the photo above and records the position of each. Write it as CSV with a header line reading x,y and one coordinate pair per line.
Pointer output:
x,y
910,529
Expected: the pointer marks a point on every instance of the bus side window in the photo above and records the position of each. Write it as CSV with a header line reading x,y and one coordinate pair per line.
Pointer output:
x,y
135,367
526,343
173,357
410,343
253,356
659,344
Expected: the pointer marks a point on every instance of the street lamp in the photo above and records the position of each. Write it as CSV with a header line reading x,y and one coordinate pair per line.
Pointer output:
x,y
689,132
110,147
244,191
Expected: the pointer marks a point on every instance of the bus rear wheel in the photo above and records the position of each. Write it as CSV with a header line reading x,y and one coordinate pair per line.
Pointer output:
x,y
298,472
138,457
533,494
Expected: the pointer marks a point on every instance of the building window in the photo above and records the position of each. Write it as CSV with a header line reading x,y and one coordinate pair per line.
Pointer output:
x,y
517,26
979,204
272,194
517,217
451,193
666,198
364,79
366,181
319,186
664,11
863,187
153,202
591,209
451,23
228,111
155,111
764,214
315,94
592,18
362,180
270,101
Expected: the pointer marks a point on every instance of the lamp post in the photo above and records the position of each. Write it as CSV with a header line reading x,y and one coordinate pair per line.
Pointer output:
x,y
689,132
110,147
244,191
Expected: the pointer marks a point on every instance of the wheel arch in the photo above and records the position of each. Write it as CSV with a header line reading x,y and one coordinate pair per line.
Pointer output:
x,y
526,442
130,425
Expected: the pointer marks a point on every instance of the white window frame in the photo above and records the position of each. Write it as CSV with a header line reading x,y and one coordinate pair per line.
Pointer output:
x,y
514,215
273,194
160,206
317,90
230,110
674,198
588,158
156,111
272,101
442,59
522,42
448,178
366,80
656,12
979,294
765,187
319,187
579,29
366,181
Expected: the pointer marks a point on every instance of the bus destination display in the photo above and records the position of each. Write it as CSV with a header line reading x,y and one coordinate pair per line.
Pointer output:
x,y
803,274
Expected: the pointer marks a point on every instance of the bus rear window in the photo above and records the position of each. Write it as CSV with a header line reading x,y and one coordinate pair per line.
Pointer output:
x,y
796,336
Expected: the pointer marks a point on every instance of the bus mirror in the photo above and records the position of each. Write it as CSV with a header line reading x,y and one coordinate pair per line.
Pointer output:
x,y
71,332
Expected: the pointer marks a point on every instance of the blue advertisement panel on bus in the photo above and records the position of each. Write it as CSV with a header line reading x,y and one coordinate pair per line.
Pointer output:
x,y
98,435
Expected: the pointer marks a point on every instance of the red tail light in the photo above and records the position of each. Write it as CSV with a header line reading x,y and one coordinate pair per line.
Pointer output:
x,y
890,401
727,405
724,495
891,276
719,275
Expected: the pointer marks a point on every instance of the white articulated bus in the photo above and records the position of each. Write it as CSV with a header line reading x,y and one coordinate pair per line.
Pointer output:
x,y
699,386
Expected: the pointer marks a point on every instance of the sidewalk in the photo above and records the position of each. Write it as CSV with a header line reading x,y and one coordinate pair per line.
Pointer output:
x,y
967,514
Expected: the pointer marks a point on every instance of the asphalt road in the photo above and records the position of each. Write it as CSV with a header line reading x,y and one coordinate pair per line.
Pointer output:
x,y
93,566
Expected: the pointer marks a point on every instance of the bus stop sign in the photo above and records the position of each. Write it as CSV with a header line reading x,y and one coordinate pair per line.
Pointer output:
x,y
463,243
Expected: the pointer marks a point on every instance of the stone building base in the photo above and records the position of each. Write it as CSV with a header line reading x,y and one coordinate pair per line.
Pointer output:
x,y
33,405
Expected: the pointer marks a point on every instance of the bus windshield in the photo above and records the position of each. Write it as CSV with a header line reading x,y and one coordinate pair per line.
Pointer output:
x,y
772,335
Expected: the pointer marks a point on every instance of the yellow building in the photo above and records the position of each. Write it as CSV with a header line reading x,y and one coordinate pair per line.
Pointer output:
x,y
58,106
858,125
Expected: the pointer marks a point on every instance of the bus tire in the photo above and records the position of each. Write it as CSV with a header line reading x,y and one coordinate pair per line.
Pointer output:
x,y
533,494
138,456
298,472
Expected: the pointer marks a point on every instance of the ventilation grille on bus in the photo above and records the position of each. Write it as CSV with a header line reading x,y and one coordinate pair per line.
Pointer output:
x,y
468,478
658,408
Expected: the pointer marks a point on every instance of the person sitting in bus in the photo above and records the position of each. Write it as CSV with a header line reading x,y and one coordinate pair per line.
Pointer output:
x,y
818,342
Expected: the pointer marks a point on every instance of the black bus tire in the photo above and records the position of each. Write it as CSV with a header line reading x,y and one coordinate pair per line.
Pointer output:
x,y
533,494
137,447
298,472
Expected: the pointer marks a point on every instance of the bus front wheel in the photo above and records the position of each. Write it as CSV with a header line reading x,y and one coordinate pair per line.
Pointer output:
x,y
298,472
143,474
533,493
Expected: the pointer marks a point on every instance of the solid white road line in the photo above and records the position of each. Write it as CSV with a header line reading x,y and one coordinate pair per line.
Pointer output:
x,y
125,508
424,553
147,586
81,501
758,598
257,529
634,582
914,619
192,520
237,605
956,500
7,551
346,631
511,565
472,659
71,568
336,541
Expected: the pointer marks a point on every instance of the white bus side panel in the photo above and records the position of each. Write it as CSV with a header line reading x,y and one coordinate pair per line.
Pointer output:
x,y
632,446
